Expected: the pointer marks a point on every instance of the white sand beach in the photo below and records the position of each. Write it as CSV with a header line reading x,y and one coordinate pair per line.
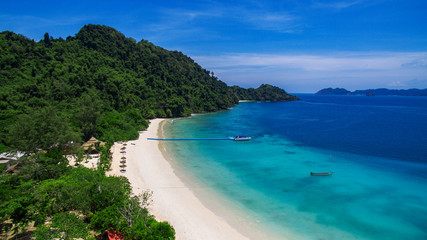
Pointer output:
x,y
173,201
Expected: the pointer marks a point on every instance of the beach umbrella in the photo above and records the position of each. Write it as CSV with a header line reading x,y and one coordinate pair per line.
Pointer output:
x,y
123,170
123,161
125,144
123,165
123,157
123,148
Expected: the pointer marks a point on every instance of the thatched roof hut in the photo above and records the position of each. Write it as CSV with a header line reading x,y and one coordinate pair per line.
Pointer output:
x,y
89,146
9,159
13,169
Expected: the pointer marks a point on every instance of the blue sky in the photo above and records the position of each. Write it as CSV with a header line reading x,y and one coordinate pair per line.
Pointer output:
x,y
301,46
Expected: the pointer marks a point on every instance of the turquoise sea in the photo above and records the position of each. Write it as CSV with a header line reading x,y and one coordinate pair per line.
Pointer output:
x,y
376,147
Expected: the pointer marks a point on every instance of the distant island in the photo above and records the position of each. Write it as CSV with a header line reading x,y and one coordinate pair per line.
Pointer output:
x,y
374,92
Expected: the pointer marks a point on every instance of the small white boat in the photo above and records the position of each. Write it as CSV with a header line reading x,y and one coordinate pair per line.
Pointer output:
x,y
242,138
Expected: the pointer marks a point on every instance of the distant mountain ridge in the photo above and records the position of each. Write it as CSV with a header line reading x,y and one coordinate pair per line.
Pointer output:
x,y
373,92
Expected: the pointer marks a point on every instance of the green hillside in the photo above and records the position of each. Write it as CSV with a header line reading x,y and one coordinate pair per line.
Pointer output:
x,y
100,83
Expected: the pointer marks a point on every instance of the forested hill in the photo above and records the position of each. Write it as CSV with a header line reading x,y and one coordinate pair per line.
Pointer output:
x,y
265,92
373,92
100,83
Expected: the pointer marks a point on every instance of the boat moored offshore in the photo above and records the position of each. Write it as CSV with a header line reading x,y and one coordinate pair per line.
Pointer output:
x,y
321,174
242,138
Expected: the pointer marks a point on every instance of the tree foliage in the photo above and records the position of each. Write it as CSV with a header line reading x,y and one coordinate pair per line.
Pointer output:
x,y
43,128
100,83
265,92
78,201
63,225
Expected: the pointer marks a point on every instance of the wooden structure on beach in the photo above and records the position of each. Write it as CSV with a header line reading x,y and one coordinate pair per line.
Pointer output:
x,y
89,146
10,159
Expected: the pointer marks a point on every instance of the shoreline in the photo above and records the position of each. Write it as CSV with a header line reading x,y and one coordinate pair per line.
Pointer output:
x,y
173,201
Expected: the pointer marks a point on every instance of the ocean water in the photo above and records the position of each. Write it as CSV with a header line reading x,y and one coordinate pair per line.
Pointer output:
x,y
376,147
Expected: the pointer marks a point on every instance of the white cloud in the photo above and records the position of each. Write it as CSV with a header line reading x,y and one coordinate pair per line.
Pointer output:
x,y
309,72
344,61
270,21
416,63
180,24
337,5
396,84
206,20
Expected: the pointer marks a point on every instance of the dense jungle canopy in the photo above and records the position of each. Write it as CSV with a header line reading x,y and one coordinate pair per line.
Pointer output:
x,y
100,83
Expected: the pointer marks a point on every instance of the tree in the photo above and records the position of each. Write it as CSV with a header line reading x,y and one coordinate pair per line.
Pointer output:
x,y
139,224
43,128
42,166
47,39
63,226
87,114
134,209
